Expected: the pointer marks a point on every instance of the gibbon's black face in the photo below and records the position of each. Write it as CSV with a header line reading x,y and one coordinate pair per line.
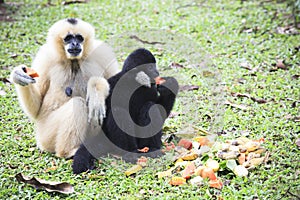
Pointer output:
x,y
73,45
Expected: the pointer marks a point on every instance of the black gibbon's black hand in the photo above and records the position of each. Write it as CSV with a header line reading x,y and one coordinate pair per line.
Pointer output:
x,y
169,86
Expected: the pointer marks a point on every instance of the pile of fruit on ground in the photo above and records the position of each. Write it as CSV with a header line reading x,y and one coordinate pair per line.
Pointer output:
x,y
199,161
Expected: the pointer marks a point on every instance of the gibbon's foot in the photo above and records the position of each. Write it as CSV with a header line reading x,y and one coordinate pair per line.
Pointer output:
x,y
83,161
20,77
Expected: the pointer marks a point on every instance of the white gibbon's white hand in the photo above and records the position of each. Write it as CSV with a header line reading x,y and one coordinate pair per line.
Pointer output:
x,y
96,107
20,77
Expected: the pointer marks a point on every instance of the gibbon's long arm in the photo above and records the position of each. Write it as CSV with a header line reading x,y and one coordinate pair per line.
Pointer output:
x,y
28,93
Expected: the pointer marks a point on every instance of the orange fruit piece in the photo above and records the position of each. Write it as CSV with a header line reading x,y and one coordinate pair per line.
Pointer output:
x,y
177,180
208,173
144,150
31,72
217,183
159,80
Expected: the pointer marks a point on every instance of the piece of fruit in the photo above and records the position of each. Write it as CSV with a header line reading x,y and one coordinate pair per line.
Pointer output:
x,y
188,170
165,173
142,161
177,180
240,171
132,170
185,143
199,170
242,158
213,164
159,80
31,72
208,173
198,180
217,183
144,150
189,156
203,141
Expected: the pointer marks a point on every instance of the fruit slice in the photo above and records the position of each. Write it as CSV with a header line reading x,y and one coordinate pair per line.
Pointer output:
x,y
31,72
159,80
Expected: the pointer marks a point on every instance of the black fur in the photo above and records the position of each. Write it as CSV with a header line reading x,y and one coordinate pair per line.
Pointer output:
x,y
72,21
142,99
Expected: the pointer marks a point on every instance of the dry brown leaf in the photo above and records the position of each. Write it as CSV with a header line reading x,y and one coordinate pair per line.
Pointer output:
x,y
176,65
49,186
189,87
242,107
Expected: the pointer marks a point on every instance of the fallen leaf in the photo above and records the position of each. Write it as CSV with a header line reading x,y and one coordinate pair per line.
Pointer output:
x,y
279,65
176,65
245,65
189,87
249,96
49,186
242,107
288,30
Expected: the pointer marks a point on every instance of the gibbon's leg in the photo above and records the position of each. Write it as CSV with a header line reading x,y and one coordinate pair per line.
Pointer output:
x,y
64,129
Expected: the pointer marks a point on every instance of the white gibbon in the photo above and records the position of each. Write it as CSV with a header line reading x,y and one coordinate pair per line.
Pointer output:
x,y
70,92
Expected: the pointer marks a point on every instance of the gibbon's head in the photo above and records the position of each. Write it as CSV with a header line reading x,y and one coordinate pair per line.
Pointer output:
x,y
71,38
142,63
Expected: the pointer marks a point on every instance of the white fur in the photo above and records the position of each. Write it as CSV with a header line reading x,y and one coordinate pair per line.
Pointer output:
x,y
143,79
61,121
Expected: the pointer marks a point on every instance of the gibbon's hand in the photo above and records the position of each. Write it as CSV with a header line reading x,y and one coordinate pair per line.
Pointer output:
x,y
96,108
20,77
169,86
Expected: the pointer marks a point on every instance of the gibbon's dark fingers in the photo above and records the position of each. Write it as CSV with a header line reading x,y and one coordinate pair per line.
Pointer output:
x,y
20,77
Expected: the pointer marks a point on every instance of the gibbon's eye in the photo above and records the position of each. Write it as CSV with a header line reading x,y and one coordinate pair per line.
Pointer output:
x,y
68,38
79,38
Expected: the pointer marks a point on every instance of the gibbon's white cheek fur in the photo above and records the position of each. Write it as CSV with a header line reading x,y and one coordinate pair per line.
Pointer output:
x,y
58,100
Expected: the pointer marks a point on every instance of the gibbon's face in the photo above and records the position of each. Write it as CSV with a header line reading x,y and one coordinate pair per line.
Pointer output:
x,y
73,44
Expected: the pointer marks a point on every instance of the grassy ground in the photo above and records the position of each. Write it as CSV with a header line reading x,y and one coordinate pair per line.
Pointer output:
x,y
215,41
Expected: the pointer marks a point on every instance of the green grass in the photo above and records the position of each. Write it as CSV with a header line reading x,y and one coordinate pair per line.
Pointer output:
x,y
211,39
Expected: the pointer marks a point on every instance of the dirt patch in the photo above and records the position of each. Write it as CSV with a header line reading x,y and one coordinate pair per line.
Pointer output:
x,y
7,11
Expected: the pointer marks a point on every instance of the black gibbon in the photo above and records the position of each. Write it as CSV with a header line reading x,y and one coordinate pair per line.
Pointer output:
x,y
136,110
71,89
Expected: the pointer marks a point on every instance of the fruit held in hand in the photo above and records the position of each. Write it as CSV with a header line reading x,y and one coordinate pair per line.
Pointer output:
x,y
31,72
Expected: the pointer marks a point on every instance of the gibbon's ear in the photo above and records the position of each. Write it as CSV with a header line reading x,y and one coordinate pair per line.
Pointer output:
x,y
143,79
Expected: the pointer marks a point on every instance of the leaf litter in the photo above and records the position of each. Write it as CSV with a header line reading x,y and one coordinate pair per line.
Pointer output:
x,y
49,186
